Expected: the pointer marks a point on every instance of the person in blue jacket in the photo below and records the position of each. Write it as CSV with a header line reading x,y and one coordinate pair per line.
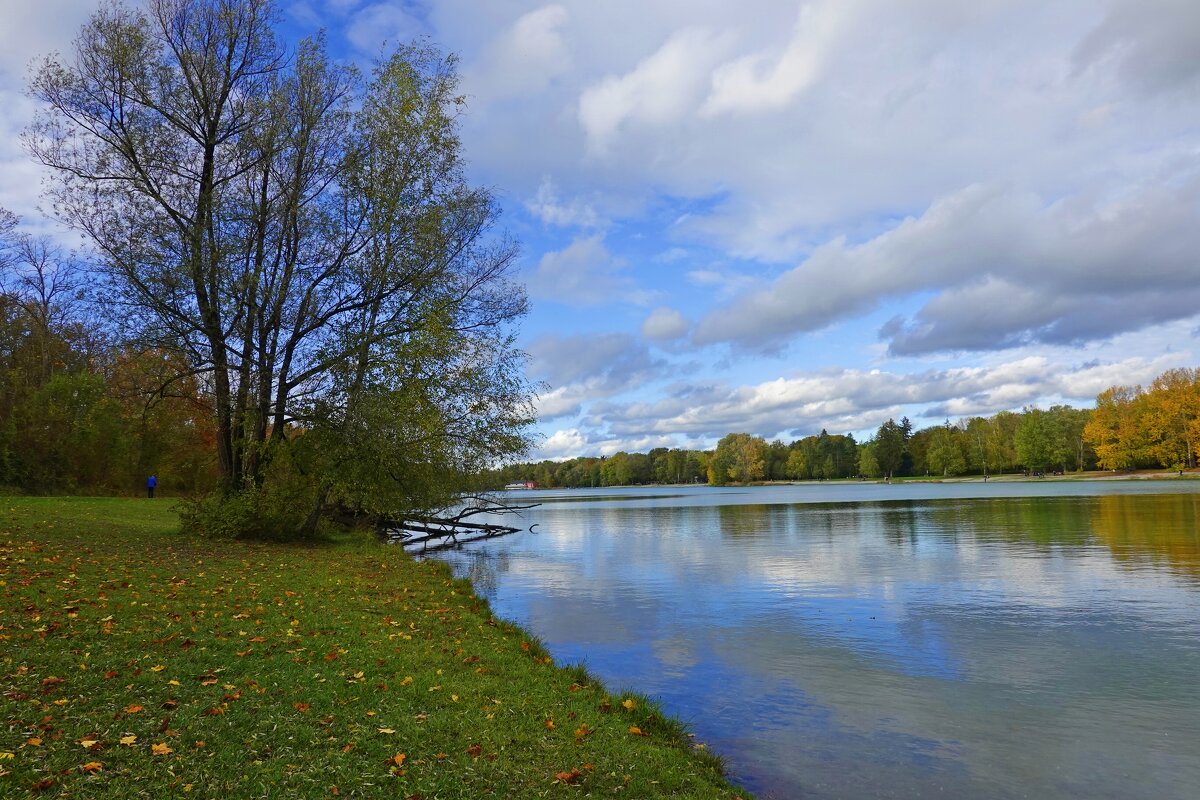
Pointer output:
x,y
151,482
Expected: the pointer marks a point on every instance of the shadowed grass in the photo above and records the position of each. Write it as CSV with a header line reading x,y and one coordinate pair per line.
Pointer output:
x,y
137,662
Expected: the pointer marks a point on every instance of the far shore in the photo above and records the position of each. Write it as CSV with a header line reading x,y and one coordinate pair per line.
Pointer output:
x,y
1009,477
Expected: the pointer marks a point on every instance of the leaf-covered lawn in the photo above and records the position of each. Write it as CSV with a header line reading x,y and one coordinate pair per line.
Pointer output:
x,y
135,662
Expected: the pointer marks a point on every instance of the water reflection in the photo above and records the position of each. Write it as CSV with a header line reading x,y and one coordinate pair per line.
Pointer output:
x,y
1165,531
981,647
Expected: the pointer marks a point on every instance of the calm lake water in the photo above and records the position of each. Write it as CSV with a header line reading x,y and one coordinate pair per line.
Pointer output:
x,y
1002,640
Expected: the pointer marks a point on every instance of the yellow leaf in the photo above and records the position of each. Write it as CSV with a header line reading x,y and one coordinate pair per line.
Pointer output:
x,y
34,741
128,739
454,697
636,731
88,743
158,668
160,749
629,705
388,731
407,680
4,755
92,766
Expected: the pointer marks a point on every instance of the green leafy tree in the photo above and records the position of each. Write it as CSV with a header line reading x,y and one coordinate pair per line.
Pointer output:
x,y
946,454
891,446
302,239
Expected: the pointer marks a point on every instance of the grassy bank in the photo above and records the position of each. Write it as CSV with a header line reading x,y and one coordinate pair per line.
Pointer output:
x,y
136,662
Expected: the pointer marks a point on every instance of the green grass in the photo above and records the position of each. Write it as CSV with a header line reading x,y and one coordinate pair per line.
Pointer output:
x,y
138,662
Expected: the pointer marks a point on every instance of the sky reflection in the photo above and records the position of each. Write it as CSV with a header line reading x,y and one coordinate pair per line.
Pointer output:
x,y
986,647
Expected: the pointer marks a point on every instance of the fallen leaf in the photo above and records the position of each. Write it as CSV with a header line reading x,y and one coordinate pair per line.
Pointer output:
x,y
91,766
569,777
388,731
301,707
33,741
88,744
42,785
160,749
629,705
157,668
549,724
133,709
398,759
636,731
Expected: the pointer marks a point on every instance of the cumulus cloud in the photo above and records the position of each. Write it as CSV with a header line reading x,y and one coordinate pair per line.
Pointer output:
x,y
525,58
583,368
664,325
660,89
763,82
1005,269
551,209
843,400
585,273
1135,41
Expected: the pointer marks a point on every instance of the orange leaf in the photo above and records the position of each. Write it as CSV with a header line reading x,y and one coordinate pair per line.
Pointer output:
x,y
301,707
569,777
636,731
133,709
398,759
549,724
160,749
92,766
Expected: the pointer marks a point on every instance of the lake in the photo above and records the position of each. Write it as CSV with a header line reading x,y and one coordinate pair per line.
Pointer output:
x,y
845,640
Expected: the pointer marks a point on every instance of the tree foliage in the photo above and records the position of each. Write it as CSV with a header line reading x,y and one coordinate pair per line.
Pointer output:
x,y
299,239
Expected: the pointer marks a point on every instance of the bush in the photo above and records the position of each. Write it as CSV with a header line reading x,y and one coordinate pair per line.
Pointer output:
x,y
276,511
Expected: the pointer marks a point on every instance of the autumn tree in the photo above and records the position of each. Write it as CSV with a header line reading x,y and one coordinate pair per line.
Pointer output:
x,y
739,458
1170,413
301,240
1114,430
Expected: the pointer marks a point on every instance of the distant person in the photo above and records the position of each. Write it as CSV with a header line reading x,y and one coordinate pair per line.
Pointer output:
x,y
151,482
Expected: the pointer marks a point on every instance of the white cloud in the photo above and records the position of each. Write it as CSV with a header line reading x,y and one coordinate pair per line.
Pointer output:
x,y
1004,269
524,59
563,444
664,324
547,206
585,273
582,368
842,400
657,92
370,27
761,82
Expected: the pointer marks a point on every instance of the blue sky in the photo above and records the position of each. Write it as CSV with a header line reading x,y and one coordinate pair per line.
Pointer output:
x,y
777,217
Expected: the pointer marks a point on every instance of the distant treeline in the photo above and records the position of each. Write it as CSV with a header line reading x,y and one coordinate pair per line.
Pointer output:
x,y
1131,427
